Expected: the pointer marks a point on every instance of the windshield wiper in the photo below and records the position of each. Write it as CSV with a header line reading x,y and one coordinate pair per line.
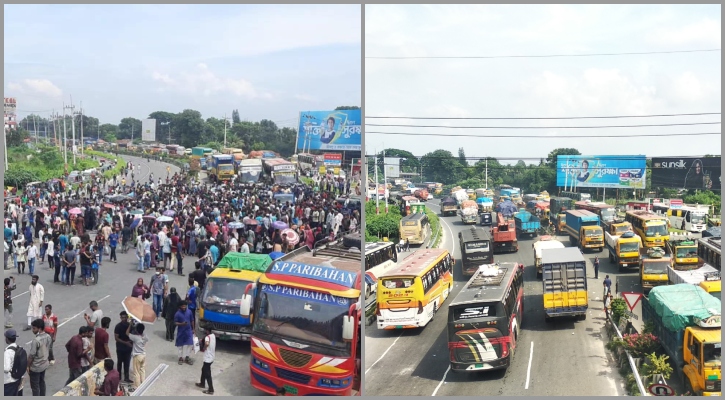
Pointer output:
x,y
278,327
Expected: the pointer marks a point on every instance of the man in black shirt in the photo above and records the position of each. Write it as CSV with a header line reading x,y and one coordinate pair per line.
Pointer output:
x,y
199,276
123,346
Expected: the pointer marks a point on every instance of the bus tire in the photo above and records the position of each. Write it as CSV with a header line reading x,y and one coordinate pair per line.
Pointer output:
x,y
583,317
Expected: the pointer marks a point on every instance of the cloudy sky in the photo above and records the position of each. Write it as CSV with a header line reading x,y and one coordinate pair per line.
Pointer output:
x,y
130,60
543,87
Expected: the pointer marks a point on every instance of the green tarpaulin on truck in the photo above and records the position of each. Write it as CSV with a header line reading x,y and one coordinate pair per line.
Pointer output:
x,y
679,305
245,262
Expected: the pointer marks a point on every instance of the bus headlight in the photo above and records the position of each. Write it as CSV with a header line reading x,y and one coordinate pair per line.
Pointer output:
x,y
260,364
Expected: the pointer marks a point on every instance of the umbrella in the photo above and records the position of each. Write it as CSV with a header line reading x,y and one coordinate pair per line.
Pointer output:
x,y
292,237
109,205
275,255
137,212
279,225
139,310
149,216
43,210
75,210
235,225
169,213
164,218
135,223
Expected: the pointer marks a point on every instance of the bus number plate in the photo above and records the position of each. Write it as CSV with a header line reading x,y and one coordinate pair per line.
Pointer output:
x,y
291,390
479,366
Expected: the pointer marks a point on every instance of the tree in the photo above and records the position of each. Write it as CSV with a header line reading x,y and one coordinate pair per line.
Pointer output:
x,y
347,108
16,136
411,164
442,166
129,126
235,117
190,126
162,129
462,156
109,132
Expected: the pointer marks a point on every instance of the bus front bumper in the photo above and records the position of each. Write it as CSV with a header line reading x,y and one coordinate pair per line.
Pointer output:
x,y
269,383
482,366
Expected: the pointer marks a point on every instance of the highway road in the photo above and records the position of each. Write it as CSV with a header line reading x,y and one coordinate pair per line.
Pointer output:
x,y
562,358
230,371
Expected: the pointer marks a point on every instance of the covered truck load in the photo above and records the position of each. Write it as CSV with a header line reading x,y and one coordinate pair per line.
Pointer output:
x,y
485,203
679,306
460,196
449,206
526,223
506,208
469,212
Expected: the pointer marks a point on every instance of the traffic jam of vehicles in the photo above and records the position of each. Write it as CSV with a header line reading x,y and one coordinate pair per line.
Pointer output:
x,y
480,291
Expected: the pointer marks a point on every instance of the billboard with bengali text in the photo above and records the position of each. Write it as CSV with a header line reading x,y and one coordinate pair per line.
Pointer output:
x,y
332,159
148,130
330,130
686,172
618,172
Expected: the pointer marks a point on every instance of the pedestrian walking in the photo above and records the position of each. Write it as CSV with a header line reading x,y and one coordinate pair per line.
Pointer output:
x,y
50,323
124,346
159,285
8,300
184,320
136,334
171,306
209,347
32,256
607,285
21,253
16,364
38,357
596,267
35,304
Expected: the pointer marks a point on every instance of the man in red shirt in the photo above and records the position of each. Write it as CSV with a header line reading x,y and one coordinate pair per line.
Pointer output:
x,y
51,328
101,341
176,253
75,353
110,382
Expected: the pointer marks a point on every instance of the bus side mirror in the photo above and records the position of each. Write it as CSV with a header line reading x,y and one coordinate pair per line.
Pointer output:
x,y
348,327
246,305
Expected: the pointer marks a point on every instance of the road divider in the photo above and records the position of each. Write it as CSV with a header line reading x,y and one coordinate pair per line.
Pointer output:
x,y
86,384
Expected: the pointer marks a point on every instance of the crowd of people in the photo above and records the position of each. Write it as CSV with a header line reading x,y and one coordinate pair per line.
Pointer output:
x,y
164,221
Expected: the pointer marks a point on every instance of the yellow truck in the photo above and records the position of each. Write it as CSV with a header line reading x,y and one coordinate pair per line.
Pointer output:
x,y
583,229
655,266
623,245
565,283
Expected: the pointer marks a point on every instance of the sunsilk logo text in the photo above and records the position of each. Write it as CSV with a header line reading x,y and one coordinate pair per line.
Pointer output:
x,y
674,164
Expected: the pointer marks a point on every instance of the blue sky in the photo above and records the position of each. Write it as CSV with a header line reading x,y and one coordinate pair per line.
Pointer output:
x,y
267,61
543,87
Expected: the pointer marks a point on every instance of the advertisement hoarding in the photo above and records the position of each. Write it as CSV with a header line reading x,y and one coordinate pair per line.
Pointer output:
x,y
625,172
686,173
330,130
148,130
392,167
332,159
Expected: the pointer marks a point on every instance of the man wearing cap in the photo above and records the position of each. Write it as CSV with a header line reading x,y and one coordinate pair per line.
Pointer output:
x,y
11,384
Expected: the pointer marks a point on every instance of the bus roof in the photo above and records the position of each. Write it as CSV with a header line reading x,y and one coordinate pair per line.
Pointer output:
x,y
375,246
416,263
487,289
600,205
414,217
645,215
474,234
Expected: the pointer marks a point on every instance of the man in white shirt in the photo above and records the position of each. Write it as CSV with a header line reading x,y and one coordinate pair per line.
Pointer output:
x,y
233,243
11,384
209,354
32,257
245,246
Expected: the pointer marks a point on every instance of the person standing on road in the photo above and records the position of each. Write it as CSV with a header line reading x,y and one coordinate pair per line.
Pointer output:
x,y
50,323
74,346
171,306
177,253
68,276
159,286
209,347
38,357
8,300
101,351
124,346
184,320
596,267
12,381
94,320
607,285
35,304
113,243
138,353
32,257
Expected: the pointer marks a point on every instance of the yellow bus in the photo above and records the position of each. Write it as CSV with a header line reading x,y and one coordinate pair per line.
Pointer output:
x,y
651,227
410,294
414,228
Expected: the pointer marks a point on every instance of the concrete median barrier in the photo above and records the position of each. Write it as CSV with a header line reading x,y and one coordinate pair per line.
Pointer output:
x,y
86,384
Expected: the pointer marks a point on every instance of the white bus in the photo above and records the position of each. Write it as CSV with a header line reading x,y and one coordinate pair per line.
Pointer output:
x,y
688,218
380,257
306,162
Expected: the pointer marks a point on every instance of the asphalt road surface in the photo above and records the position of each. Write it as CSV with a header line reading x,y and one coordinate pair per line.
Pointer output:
x,y
562,358
230,370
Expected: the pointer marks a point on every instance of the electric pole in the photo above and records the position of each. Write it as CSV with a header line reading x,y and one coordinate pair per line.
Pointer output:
x,y
73,129
35,128
80,113
225,131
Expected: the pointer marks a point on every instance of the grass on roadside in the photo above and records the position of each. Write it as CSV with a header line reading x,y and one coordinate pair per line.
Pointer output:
x,y
435,228
116,170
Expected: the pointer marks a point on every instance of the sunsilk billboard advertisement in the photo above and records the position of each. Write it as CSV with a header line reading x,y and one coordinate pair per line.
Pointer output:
x,y
330,130
617,172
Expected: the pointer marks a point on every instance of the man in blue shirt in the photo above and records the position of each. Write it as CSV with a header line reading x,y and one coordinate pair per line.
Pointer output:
x,y
214,250
191,295
113,242
63,240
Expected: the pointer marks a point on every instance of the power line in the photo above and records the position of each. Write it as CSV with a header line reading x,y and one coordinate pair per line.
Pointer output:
x,y
543,127
538,56
541,136
547,118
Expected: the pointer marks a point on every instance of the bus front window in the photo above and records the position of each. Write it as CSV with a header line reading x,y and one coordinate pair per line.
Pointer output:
x,y
686,252
656,230
697,219
655,267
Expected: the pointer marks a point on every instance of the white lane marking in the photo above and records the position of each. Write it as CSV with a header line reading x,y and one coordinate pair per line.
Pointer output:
x,y
18,295
442,381
386,352
528,370
71,318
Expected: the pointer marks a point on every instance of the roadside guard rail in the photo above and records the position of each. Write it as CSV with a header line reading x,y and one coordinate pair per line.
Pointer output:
x,y
632,364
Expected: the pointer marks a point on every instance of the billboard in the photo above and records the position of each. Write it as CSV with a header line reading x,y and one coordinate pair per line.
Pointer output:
x,y
686,173
332,159
330,130
627,172
148,130
392,167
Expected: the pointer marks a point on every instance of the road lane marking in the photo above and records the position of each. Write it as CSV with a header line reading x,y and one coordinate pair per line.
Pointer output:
x,y
386,352
528,370
18,295
442,381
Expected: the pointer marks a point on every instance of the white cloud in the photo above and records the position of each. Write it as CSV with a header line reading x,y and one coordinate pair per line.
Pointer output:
x,y
205,82
447,110
42,87
305,97
705,32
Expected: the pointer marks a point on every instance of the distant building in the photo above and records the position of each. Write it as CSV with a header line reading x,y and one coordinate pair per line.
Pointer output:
x,y
11,116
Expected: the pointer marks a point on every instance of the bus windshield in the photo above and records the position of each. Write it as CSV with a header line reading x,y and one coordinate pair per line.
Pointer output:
x,y
594,232
655,267
686,252
655,230
621,229
224,292
608,214
284,179
226,167
250,175
630,247
312,317
697,218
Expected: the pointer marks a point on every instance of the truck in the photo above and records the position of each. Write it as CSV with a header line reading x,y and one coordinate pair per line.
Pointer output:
x,y
526,223
449,206
250,170
686,320
485,210
557,207
683,250
469,212
706,277
460,196
655,263
221,167
504,235
583,229
623,245
544,242
197,151
565,283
